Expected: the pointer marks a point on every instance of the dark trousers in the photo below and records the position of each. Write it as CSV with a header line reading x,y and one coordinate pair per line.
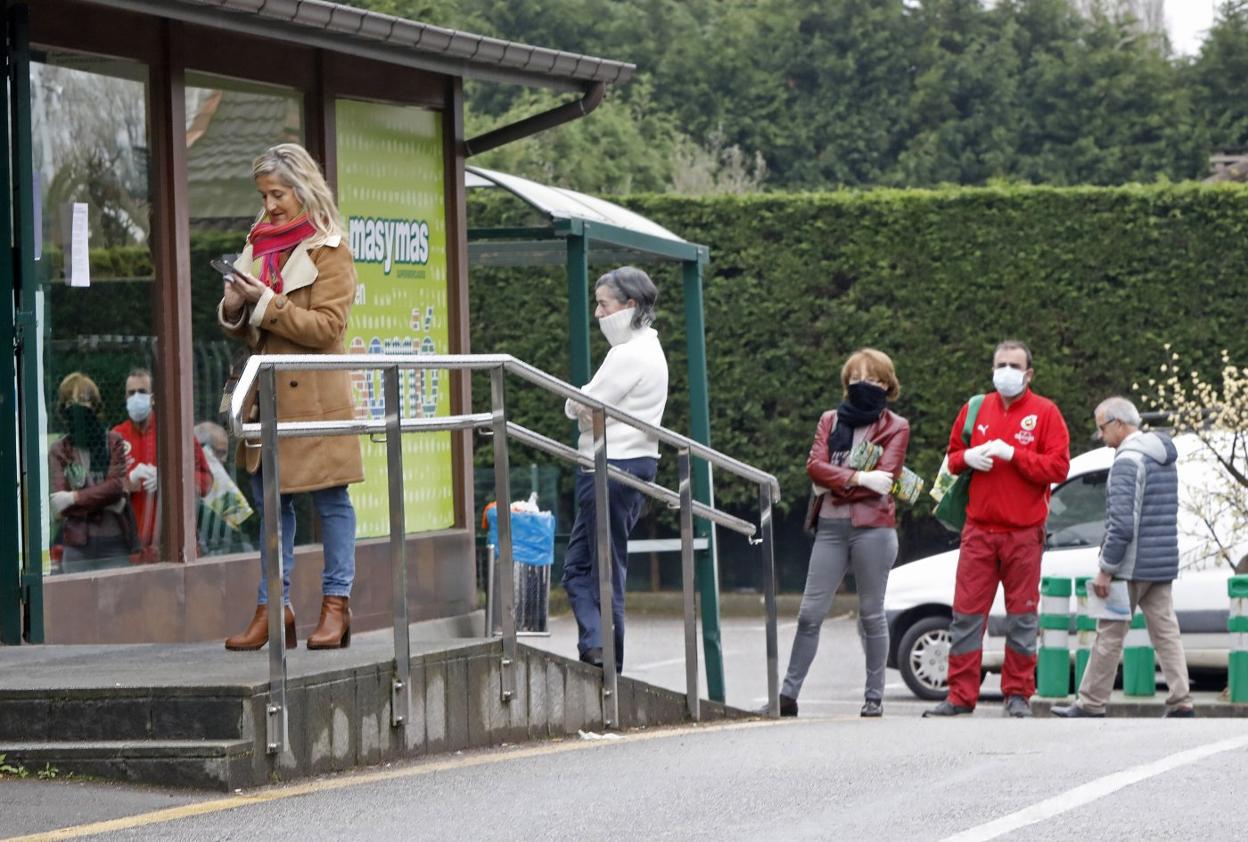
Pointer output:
x,y
580,565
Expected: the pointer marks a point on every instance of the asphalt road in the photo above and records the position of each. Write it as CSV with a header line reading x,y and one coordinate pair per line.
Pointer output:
x,y
654,651
826,775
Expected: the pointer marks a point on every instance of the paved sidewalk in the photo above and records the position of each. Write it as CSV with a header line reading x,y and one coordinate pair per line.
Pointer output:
x,y
654,652
1208,705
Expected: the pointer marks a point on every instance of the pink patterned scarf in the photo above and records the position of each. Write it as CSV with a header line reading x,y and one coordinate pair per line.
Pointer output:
x,y
269,242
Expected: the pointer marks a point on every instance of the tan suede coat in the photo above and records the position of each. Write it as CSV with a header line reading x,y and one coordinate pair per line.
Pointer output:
x,y
308,317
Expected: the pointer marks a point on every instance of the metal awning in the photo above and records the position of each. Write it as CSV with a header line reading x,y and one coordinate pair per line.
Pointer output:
x,y
619,235
346,29
581,231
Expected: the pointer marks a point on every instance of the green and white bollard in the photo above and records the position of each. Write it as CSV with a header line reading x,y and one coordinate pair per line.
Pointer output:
x,y
1053,659
1237,625
1139,671
1085,629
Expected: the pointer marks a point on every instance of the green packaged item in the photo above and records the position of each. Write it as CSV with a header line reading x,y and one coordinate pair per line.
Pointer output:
x,y
908,486
864,456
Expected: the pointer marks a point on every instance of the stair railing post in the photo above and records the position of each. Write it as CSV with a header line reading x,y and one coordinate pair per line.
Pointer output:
x,y
767,547
606,570
276,720
505,558
401,683
685,475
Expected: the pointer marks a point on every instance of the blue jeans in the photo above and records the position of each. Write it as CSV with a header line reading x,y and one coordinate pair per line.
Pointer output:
x,y
337,535
580,564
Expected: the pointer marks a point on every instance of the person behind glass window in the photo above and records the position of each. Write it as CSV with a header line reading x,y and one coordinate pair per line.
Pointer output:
x,y
87,481
633,377
292,294
139,433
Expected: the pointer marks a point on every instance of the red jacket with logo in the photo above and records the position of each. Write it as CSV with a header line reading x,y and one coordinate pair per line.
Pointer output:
x,y
891,432
141,449
1014,494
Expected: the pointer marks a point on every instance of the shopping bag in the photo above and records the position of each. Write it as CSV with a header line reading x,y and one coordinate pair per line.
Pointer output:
x,y
225,499
532,535
952,494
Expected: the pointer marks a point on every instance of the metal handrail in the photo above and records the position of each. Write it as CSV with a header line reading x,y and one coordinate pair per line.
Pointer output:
x,y
473,362
260,375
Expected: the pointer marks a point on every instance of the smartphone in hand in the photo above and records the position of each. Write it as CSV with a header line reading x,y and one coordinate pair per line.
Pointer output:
x,y
228,272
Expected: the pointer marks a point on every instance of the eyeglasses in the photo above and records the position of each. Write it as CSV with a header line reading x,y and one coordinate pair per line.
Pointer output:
x,y
1100,428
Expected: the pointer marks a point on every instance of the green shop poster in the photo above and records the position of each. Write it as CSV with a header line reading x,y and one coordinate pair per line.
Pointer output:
x,y
390,193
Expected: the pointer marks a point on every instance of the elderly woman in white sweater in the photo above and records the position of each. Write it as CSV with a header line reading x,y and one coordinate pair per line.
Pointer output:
x,y
633,377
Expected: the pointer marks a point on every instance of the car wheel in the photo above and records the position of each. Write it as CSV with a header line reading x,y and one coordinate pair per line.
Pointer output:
x,y
923,658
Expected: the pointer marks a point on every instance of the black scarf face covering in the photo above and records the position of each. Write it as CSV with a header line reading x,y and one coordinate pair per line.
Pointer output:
x,y
87,433
862,406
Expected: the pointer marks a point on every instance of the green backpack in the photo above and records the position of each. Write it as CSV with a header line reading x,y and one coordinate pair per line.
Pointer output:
x,y
953,494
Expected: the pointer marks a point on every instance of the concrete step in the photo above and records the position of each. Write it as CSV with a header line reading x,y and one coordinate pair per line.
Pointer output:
x,y
109,713
75,713
199,764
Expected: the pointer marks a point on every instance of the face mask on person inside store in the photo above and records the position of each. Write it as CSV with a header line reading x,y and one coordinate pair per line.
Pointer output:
x,y
139,407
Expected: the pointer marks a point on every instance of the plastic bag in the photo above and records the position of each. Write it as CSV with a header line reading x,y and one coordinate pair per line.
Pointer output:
x,y
532,532
225,499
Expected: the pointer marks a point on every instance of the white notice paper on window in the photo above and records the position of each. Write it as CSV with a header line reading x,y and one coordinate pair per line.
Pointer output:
x,y
79,257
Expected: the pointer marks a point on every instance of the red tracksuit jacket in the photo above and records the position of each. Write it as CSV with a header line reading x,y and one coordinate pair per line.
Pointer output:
x,y
141,448
1015,494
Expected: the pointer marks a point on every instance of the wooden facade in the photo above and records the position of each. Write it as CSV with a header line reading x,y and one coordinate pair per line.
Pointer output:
x,y
183,597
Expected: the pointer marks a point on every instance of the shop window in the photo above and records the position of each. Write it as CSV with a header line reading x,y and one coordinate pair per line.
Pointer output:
x,y
228,124
94,268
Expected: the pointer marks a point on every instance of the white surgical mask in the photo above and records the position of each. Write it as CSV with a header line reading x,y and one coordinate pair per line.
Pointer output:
x,y
618,327
139,406
1008,381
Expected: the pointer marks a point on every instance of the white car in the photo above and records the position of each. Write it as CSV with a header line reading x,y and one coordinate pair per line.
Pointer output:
x,y
919,600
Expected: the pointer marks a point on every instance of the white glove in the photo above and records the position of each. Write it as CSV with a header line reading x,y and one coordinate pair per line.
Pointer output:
x,y
145,475
62,500
978,458
881,482
998,449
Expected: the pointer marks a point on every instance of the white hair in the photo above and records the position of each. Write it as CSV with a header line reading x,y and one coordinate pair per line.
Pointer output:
x,y
1119,408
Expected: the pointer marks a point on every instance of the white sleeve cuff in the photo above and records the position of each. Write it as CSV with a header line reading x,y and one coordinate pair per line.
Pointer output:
x,y
257,312
231,325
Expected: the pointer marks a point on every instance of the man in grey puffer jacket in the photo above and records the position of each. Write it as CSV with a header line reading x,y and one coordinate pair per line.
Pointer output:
x,y
1141,545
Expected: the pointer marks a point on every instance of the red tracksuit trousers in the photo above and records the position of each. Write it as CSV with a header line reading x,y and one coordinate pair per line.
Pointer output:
x,y
986,559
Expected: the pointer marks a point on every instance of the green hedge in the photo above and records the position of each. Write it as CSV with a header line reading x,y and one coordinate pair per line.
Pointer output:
x,y
1094,279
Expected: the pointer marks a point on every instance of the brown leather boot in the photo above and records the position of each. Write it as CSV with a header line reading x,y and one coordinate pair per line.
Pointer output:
x,y
334,629
257,632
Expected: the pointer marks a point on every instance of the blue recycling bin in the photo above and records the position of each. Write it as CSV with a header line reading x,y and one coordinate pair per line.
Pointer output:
x,y
533,554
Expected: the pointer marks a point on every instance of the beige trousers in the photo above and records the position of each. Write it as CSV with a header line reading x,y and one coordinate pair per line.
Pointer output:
x,y
1157,603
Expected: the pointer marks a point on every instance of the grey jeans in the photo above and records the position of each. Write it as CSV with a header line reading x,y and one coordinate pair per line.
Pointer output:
x,y
867,552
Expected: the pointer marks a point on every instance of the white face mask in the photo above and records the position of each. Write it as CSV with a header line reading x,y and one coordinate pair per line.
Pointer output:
x,y
1008,381
139,406
618,327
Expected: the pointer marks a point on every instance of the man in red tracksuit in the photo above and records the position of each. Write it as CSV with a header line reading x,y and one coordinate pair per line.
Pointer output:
x,y
1019,447
139,433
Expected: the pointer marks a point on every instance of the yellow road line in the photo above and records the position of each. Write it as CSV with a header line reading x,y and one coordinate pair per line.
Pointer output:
x,y
263,796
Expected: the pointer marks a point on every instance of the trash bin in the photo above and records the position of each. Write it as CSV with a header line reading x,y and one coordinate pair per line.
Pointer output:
x,y
533,553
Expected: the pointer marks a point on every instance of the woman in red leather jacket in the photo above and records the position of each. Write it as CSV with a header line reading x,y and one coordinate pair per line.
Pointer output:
x,y
853,518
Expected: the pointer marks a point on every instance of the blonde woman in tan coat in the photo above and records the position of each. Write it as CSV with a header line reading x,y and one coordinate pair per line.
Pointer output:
x,y
292,294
